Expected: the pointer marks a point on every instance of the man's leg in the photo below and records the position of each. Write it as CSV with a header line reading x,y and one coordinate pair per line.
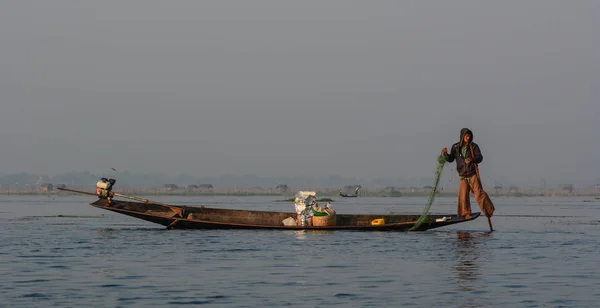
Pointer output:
x,y
484,201
464,204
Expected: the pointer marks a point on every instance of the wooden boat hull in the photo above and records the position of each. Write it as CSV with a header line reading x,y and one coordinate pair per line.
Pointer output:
x,y
201,217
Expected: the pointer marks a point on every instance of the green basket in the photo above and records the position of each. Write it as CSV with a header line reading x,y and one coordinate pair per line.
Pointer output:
x,y
315,213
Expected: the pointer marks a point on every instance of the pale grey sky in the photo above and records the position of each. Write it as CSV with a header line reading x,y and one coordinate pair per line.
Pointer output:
x,y
354,88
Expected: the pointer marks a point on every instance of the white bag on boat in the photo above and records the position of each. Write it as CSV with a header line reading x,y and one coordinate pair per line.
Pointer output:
x,y
290,221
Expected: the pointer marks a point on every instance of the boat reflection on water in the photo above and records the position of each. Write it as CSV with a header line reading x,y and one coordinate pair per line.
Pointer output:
x,y
471,255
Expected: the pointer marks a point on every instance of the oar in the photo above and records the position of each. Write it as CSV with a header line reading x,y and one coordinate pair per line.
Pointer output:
x,y
175,209
480,184
489,219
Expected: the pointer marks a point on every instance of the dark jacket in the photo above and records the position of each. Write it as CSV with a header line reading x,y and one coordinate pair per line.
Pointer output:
x,y
473,152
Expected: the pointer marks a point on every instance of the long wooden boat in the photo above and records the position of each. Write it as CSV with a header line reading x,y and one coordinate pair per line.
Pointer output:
x,y
202,217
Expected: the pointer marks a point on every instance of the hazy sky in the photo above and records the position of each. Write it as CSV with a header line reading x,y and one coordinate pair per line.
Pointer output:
x,y
354,88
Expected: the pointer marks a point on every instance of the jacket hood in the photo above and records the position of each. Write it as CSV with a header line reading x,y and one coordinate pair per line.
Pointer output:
x,y
463,132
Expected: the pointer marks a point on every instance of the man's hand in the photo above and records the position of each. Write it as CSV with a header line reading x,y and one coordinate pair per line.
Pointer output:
x,y
468,160
445,151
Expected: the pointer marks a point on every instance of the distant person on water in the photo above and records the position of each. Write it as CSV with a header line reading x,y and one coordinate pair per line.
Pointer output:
x,y
468,156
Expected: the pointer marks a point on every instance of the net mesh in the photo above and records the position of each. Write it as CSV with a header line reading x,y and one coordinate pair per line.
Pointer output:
x,y
438,173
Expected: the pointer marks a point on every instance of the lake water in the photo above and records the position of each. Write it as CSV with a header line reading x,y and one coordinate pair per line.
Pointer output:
x,y
544,253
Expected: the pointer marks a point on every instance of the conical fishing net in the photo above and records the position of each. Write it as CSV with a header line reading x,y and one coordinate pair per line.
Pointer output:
x,y
438,174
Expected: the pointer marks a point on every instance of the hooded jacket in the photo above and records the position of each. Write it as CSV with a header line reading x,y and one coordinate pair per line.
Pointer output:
x,y
473,152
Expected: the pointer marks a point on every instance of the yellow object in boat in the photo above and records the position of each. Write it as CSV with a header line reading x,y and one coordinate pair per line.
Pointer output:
x,y
378,222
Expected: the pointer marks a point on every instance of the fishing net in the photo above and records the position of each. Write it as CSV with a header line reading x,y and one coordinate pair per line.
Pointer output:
x,y
438,173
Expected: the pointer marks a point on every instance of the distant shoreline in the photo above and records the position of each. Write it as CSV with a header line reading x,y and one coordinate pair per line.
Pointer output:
x,y
285,196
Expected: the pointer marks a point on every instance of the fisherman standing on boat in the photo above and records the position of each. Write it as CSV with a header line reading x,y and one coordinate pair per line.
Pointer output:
x,y
468,155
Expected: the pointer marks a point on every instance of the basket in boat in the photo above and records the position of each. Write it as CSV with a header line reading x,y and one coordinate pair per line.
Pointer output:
x,y
323,221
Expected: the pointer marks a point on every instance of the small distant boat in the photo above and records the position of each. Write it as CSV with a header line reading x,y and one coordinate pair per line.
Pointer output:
x,y
202,217
357,188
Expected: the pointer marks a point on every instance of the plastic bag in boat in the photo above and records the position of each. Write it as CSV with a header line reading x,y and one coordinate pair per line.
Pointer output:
x,y
290,221
303,204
